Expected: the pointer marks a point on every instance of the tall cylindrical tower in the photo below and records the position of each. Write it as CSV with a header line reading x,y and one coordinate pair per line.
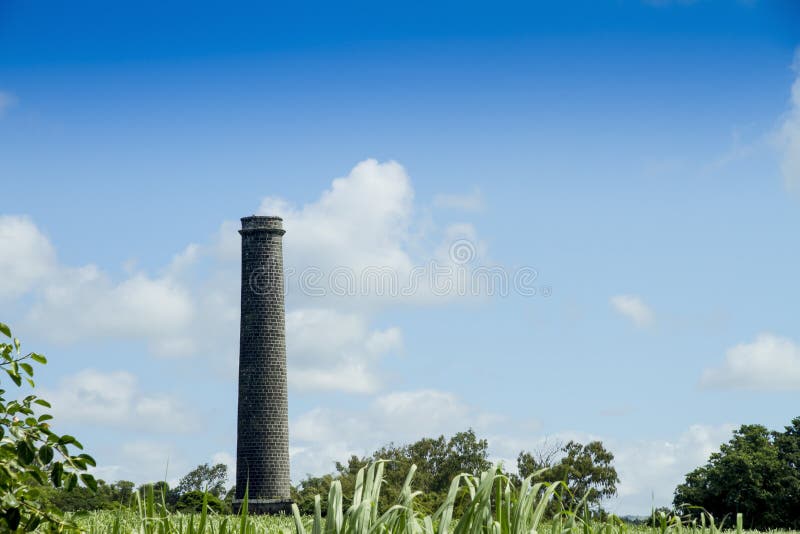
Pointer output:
x,y
262,445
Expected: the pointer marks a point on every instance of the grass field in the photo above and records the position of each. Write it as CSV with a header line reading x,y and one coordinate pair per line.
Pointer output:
x,y
494,506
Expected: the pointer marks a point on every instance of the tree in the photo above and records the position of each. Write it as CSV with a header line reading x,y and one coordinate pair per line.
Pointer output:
x,y
32,456
192,501
438,461
544,456
303,495
205,478
82,499
587,470
756,473
122,491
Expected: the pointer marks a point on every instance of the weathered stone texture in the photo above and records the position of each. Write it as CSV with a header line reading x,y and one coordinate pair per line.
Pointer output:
x,y
262,449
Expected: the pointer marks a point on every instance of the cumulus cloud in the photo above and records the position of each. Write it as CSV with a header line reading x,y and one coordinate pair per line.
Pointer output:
x,y
649,470
789,135
361,238
85,303
634,308
770,363
141,461
472,201
364,223
115,399
330,350
323,436
28,257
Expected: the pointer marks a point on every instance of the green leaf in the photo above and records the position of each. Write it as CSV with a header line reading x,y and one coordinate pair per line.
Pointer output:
x,y
88,459
56,474
25,454
5,329
45,417
46,454
70,440
37,475
72,481
38,358
89,481
12,514
14,376
42,402
27,368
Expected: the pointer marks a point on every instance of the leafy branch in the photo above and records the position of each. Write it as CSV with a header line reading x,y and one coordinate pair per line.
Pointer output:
x,y
32,456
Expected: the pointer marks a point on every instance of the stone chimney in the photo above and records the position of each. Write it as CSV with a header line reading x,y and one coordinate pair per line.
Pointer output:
x,y
262,441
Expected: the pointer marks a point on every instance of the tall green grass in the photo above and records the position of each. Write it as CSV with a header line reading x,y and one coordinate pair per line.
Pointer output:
x,y
492,505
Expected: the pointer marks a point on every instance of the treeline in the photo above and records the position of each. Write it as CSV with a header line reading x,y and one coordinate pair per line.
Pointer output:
x,y
586,469
757,474
187,496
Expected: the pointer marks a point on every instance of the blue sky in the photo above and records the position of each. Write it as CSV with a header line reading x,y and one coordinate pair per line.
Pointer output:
x,y
642,157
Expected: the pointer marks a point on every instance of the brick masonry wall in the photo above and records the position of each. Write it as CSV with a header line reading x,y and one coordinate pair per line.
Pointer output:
x,y
262,448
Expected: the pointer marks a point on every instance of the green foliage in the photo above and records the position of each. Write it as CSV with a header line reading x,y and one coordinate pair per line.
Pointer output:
x,y
192,501
438,460
80,499
494,504
586,470
757,473
205,478
32,456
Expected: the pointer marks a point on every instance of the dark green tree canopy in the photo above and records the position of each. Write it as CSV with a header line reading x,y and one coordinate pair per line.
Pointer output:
x,y
207,478
756,473
438,461
587,470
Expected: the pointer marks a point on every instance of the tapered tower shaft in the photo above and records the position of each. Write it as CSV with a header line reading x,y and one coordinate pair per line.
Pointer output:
x,y
262,446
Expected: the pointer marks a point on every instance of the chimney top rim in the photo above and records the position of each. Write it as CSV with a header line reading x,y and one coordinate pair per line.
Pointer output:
x,y
261,223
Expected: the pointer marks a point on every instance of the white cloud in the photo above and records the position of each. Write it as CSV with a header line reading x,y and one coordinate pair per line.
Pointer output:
x,y
153,461
649,470
634,308
85,303
146,461
7,100
362,221
323,436
472,201
364,239
27,256
770,363
114,399
441,409
390,417
190,307
789,135
329,350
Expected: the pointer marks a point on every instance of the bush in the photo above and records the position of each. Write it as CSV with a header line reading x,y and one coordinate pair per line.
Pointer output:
x,y
192,501
32,456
